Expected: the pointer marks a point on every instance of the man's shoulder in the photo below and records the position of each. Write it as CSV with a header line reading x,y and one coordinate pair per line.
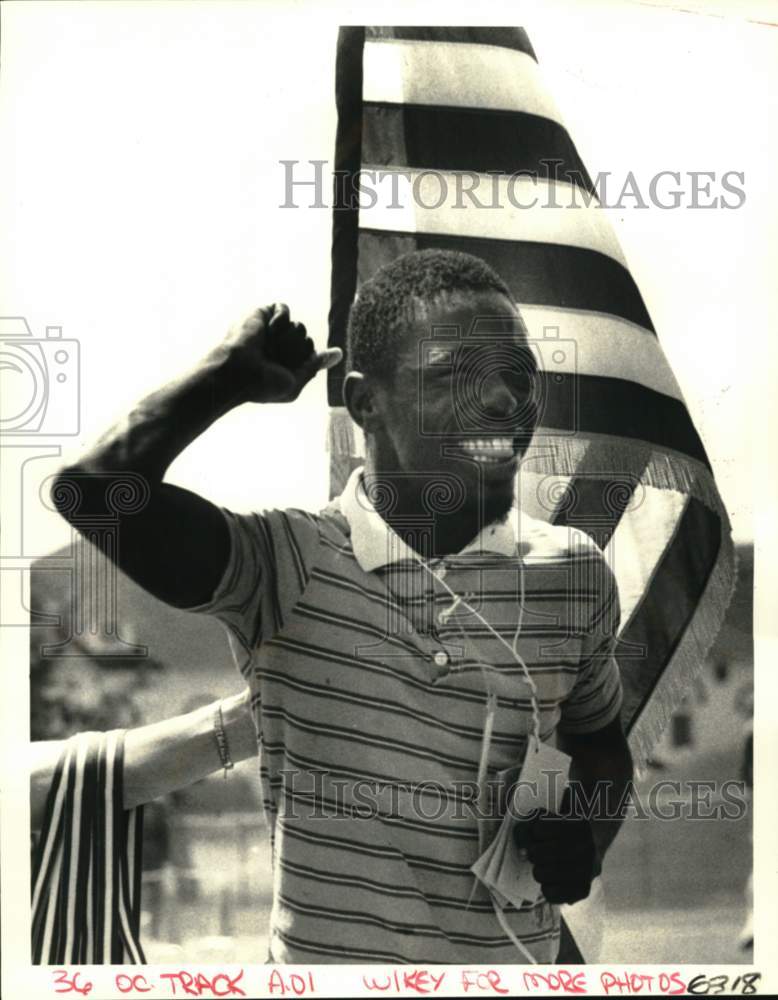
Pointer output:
x,y
542,541
573,557
287,536
329,524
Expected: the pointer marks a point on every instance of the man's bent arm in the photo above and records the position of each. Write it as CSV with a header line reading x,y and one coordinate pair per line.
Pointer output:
x,y
176,544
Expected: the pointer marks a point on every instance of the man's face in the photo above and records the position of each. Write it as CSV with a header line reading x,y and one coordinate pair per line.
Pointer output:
x,y
461,404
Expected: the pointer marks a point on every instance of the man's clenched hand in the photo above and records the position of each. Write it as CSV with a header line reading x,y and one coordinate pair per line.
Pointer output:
x,y
562,851
269,358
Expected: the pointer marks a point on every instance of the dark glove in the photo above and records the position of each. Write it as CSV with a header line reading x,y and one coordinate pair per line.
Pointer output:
x,y
562,852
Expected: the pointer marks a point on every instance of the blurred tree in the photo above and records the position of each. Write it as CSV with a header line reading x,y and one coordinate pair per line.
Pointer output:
x,y
91,687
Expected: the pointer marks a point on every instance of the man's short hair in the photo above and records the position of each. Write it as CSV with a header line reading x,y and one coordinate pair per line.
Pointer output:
x,y
389,302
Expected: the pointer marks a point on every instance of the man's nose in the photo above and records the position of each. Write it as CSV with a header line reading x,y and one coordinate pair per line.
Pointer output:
x,y
497,397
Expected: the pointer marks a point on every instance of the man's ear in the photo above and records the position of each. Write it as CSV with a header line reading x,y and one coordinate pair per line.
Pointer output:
x,y
359,398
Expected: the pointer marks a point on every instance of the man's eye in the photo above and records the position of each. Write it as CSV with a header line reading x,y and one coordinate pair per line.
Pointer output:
x,y
440,356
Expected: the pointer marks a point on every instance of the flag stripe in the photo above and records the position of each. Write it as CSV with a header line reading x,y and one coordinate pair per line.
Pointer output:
x,y
500,37
403,71
600,518
549,274
640,541
598,344
663,615
541,211
591,404
507,142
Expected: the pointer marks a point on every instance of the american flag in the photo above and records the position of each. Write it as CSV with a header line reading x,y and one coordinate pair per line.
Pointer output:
x,y
616,453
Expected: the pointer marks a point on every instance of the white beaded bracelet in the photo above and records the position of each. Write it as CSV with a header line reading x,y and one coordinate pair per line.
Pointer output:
x,y
222,744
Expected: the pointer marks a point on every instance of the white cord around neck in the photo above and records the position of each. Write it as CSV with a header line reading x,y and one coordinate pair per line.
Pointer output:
x,y
511,647
491,706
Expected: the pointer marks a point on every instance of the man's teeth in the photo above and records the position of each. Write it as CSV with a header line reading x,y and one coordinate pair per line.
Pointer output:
x,y
488,450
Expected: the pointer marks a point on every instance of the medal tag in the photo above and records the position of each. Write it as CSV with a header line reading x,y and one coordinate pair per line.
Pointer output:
x,y
504,867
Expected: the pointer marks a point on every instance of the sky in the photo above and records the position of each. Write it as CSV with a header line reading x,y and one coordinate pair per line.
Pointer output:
x,y
141,187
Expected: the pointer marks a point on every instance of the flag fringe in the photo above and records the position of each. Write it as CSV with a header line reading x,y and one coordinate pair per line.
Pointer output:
x,y
635,461
342,440
345,444
597,455
690,656
567,456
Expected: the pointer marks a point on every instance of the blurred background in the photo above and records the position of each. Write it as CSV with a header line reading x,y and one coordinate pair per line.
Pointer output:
x,y
141,191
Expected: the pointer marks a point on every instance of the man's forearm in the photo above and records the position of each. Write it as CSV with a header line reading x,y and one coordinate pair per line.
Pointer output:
x,y
601,775
154,539
163,424
610,804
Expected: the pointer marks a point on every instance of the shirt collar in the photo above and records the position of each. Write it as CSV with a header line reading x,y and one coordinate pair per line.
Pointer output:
x,y
376,544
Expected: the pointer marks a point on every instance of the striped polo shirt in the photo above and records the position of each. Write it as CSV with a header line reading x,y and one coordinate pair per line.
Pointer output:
x,y
370,702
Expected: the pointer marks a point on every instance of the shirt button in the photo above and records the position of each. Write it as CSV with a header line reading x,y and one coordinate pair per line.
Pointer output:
x,y
440,658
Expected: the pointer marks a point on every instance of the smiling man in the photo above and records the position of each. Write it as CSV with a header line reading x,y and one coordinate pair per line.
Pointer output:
x,y
443,385
403,645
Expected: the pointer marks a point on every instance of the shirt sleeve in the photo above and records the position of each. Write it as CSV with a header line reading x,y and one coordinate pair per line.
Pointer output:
x,y
271,555
596,697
